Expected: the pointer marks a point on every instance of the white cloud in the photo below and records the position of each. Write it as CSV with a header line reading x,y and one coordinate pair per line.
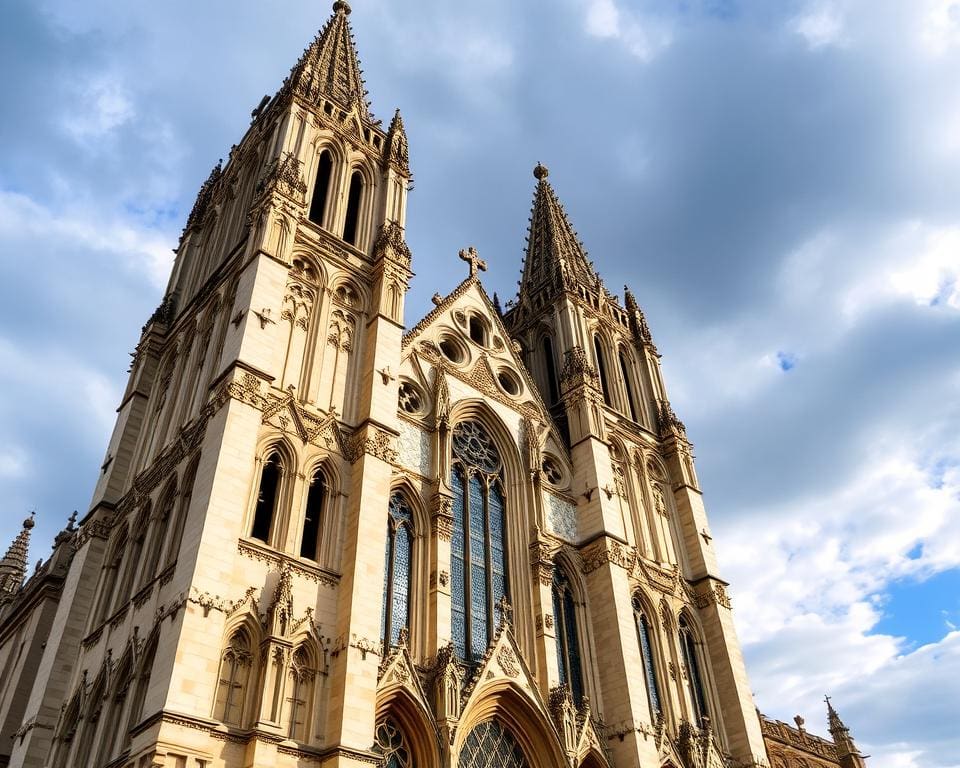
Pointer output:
x,y
644,35
603,18
820,25
103,106
136,247
940,26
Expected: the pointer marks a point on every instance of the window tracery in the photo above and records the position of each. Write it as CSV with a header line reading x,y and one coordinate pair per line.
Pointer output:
x,y
478,543
391,744
568,644
395,610
694,675
235,665
647,657
490,745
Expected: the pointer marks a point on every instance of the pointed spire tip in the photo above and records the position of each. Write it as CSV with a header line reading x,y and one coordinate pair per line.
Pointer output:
x,y
541,172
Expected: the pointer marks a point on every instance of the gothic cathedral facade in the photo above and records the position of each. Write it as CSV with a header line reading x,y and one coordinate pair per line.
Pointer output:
x,y
322,537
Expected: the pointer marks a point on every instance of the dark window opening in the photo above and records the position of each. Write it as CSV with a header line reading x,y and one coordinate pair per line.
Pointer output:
x,y
321,189
266,498
310,542
553,389
478,332
353,208
697,692
601,369
625,372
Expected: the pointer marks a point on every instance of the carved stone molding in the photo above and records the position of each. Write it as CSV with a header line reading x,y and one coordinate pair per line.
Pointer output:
x,y
606,551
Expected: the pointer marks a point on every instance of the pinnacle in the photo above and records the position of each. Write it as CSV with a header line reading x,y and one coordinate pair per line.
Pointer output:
x,y
13,566
329,67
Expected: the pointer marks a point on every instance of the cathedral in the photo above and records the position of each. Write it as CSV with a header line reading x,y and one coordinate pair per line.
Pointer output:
x,y
325,537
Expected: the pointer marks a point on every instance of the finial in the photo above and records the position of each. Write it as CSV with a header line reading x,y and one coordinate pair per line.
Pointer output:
x,y
29,522
471,256
341,5
541,172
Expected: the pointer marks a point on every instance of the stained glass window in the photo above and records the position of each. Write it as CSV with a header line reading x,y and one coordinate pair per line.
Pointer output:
x,y
395,612
390,743
490,745
646,651
478,550
697,691
568,644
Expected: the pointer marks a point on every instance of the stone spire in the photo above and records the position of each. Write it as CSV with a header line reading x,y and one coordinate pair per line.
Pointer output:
x,y
847,753
13,567
638,322
329,67
555,254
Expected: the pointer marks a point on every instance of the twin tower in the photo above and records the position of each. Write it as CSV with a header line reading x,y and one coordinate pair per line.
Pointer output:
x,y
322,537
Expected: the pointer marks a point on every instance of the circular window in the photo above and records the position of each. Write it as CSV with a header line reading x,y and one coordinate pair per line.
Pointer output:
x,y
551,470
451,350
509,382
410,400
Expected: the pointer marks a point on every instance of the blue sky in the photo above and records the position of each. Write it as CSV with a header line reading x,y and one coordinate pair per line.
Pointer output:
x,y
779,182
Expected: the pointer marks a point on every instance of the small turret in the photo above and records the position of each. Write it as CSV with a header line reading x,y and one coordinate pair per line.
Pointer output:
x,y
847,753
13,567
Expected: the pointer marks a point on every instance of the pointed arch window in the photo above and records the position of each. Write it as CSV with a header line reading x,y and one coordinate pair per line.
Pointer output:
x,y
134,556
568,644
490,745
313,518
176,536
627,385
268,493
235,666
602,369
391,744
646,652
161,525
478,545
351,225
694,675
111,575
395,611
549,364
143,684
321,188
302,675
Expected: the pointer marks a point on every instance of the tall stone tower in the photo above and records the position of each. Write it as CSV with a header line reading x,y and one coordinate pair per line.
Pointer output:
x,y
320,539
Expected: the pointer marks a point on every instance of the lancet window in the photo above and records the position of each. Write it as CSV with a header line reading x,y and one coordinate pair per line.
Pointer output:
x,y
321,188
550,366
395,613
391,744
351,225
313,518
490,745
268,493
161,525
646,654
694,673
478,546
627,385
302,678
235,666
142,685
602,369
568,644
176,536
111,575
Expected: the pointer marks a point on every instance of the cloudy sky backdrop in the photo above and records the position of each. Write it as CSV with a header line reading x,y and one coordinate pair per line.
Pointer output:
x,y
778,181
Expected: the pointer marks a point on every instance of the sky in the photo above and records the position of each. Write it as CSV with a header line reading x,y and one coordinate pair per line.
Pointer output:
x,y
778,182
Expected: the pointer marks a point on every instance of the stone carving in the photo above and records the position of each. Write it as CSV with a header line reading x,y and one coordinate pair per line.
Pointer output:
x,y
507,660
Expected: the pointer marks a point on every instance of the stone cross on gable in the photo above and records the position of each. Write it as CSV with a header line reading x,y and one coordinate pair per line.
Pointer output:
x,y
471,256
